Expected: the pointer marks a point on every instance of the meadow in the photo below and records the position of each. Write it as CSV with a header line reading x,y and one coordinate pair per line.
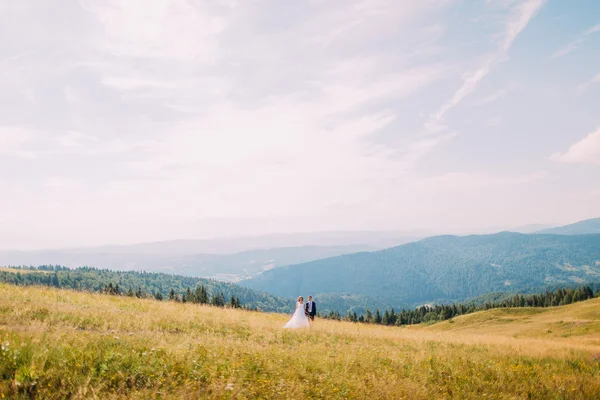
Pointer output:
x,y
64,344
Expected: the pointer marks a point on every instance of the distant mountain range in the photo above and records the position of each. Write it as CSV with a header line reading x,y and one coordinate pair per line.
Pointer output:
x,y
349,270
226,259
442,268
224,267
240,244
588,226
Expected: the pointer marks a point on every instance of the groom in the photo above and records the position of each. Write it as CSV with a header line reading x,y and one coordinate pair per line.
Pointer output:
x,y
310,309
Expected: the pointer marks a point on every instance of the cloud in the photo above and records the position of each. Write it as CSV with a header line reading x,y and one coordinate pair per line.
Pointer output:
x,y
147,120
56,182
577,43
585,151
492,97
593,29
518,17
19,141
585,85
474,181
75,139
175,29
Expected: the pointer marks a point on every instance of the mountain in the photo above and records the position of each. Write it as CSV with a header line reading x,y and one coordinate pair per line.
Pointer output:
x,y
375,239
443,268
225,267
588,226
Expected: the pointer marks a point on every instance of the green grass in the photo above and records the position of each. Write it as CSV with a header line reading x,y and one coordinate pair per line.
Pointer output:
x,y
62,344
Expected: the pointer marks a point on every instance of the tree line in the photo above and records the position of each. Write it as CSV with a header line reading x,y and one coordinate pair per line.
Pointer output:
x,y
146,285
442,312
199,295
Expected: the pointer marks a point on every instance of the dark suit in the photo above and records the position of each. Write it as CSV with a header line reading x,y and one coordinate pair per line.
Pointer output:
x,y
313,311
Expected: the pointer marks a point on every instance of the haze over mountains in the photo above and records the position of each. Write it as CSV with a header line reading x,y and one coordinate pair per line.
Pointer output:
x,y
224,267
578,228
229,259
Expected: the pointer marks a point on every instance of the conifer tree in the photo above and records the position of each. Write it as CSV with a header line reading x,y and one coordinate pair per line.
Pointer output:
x,y
368,317
201,295
385,320
377,318
393,317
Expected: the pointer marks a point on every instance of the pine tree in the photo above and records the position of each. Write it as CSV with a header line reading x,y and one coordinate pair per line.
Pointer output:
x,y
172,295
377,318
393,317
218,300
201,295
369,317
55,282
385,320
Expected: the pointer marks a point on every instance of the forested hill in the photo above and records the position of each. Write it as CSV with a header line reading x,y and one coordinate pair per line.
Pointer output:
x,y
144,283
444,268
588,226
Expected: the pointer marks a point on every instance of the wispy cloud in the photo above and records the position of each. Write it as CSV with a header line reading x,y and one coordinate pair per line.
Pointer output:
x,y
577,43
517,20
19,141
585,85
492,97
585,151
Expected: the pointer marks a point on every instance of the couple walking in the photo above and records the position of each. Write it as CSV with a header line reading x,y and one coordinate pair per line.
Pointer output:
x,y
304,314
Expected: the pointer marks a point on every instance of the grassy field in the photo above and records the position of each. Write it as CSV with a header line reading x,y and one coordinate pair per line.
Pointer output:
x,y
62,344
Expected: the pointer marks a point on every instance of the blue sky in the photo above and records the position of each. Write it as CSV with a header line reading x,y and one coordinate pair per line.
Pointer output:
x,y
127,121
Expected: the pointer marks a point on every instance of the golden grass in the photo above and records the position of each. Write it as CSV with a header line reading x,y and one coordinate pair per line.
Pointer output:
x,y
66,344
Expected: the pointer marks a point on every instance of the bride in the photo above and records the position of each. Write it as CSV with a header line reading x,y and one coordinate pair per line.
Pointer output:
x,y
299,319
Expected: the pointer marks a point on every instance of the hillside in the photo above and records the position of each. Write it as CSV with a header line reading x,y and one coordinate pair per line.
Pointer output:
x,y
178,258
588,226
581,321
148,284
443,268
62,344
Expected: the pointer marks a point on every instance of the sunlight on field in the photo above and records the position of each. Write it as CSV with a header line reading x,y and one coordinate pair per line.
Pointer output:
x,y
60,344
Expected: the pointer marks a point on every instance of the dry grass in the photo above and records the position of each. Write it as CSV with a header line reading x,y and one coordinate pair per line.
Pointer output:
x,y
66,344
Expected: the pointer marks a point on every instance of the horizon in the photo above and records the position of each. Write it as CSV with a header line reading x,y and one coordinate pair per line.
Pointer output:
x,y
410,235
131,122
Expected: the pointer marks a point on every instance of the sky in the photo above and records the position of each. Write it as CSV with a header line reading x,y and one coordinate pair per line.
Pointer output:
x,y
124,121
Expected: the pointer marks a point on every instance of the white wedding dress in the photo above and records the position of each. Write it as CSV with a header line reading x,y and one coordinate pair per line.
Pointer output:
x,y
299,319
